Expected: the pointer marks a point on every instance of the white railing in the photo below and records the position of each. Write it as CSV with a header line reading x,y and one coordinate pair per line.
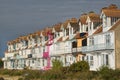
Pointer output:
x,y
79,49
61,51
97,47
93,48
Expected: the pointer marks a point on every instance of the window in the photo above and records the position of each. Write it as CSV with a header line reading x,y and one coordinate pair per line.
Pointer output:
x,y
105,59
43,49
108,39
83,58
96,24
105,21
43,62
114,19
91,61
39,50
36,39
67,31
91,41
70,31
55,35
14,46
90,25
46,38
33,61
26,43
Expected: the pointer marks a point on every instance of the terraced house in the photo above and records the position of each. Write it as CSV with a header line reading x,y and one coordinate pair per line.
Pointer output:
x,y
93,38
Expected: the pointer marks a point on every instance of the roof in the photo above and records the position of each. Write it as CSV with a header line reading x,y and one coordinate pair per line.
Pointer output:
x,y
72,20
74,24
38,33
67,38
115,25
83,19
60,39
77,36
47,30
94,17
99,30
111,12
57,27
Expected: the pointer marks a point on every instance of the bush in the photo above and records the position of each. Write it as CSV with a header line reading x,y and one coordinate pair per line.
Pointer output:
x,y
57,64
52,75
79,66
109,74
1,78
1,63
20,79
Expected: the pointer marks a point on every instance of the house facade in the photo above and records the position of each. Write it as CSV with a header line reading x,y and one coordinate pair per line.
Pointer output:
x,y
93,38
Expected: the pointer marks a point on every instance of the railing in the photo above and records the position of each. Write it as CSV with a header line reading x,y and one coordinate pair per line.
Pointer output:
x,y
61,51
97,47
37,55
93,48
79,49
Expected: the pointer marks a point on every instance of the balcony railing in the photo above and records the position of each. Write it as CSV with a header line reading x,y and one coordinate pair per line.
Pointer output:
x,y
96,47
79,49
37,55
61,51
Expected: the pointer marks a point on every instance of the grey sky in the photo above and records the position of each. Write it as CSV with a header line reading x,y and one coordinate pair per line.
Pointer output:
x,y
20,17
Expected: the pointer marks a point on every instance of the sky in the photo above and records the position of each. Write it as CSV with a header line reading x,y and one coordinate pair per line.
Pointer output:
x,y
21,17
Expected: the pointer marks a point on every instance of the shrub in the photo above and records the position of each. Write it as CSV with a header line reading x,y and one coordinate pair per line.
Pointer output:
x,y
79,66
57,64
20,79
1,78
109,74
1,63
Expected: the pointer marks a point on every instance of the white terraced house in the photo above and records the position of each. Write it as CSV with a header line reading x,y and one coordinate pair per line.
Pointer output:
x,y
93,38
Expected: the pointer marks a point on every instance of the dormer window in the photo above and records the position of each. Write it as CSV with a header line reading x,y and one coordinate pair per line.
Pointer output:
x,y
14,46
36,39
54,35
46,38
67,31
90,26
114,19
58,34
26,43
105,21
70,31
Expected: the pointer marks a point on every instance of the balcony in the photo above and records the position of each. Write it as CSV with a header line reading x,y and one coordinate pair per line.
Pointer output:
x,y
79,49
61,51
45,54
98,47
36,55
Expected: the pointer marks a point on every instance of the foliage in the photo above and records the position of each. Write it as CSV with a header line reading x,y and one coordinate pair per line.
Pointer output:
x,y
1,63
52,75
1,78
79,66
64,73
57,64
107,73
